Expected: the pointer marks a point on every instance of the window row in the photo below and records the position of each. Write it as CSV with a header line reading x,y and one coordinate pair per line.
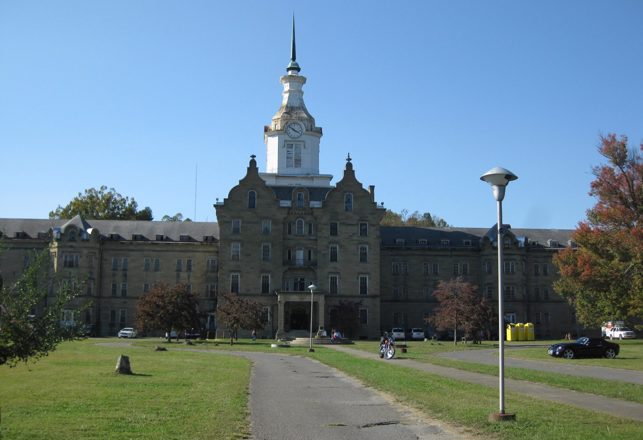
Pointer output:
x,y
298,255
297,284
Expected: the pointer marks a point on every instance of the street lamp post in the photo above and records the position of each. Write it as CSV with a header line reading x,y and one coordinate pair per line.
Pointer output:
x,y
499,178
312,288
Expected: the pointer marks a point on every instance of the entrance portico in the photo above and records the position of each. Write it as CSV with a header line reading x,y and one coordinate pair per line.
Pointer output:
x,y
293,311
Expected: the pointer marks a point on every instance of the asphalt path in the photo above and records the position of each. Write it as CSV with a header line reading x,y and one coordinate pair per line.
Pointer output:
x,y
490,357
592,402
296,398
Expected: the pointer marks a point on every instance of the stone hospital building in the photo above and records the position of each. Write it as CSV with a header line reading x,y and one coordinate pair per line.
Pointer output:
x,y
281,229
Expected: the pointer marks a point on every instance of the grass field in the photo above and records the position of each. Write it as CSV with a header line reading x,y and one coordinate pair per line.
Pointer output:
x,y
632,352
182,394
74,394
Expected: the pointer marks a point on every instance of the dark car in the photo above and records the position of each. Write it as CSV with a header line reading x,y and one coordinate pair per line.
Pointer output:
x,y
192,334
585,347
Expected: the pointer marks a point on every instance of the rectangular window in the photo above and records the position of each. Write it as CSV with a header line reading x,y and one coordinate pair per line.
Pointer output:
x,y
114,263
536,293
334,253
363,254
147,263
363,316
465,268
510,293
114,289
299,257
363,284
293,155
546,294
333,284
265,283
363,229
90,287
311,229
266,226
146,287
456,269
157,265
545,269
395,268
112,317
211,290
265,252
235,281
236,226
536,269
334,226
235,251
436,269
125,264
426,268
123,289
122,313
510,267
69,260
179,265
487,267
489,291
212,264
188,265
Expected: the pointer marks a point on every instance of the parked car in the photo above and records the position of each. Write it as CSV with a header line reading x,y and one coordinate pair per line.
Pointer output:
x,y
127,332
585,347
621,333
172,335
417,333
192,334
398,333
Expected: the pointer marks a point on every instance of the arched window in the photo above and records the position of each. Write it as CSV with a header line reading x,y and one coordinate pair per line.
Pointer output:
x,y
348,202
299,227
252,199
300,200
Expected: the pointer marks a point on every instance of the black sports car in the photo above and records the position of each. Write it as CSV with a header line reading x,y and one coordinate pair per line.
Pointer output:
x,y
585,347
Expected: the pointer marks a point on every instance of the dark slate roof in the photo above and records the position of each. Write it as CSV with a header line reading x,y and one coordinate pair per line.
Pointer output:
x,y
125,229
469,237
317,194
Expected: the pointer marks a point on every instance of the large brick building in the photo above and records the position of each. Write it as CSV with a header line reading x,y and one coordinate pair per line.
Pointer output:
x,y
280,231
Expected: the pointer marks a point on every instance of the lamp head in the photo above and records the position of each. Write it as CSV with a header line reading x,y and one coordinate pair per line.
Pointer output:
x,y
312,287
498,178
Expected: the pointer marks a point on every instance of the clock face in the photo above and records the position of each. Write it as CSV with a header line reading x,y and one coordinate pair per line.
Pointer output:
x,y
294,130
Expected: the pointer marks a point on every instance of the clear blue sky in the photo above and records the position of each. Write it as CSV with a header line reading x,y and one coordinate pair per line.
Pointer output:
x,y
425,96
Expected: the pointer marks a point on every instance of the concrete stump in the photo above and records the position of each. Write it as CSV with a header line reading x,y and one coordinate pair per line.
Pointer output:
x,y
123,365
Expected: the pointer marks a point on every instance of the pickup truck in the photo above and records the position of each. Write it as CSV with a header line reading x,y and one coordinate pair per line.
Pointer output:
x,y
620,333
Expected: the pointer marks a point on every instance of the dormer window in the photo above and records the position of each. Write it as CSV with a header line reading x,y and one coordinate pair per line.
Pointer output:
x,y
300,200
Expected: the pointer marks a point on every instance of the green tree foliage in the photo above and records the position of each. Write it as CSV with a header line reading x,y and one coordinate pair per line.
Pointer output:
x,y
235,313
602,278
461,307
168,308
178,217
102,204
30,318
345,317
415,219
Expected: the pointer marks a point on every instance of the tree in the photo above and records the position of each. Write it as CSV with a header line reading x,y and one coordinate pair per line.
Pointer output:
x,y
602,278
460,307
102,204
345,317
235,313
178,217
30,319
166,308
415,219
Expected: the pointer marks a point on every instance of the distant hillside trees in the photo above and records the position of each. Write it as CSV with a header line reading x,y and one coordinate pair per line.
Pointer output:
x,y
102,204
427,219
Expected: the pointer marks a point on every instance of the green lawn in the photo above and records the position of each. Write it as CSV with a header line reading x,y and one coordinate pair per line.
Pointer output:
x,y
468,405
632,351
74,394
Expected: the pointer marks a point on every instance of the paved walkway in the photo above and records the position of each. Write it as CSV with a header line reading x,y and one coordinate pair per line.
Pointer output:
x,y
490,357
296,398
592,402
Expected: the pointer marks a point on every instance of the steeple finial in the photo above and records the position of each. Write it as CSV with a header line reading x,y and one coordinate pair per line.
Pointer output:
x,y
293,67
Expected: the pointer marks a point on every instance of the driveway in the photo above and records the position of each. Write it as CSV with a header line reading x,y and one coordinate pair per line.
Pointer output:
x,y
490,357
296,398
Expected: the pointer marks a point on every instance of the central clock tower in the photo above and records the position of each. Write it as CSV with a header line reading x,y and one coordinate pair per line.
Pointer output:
x,y
292,139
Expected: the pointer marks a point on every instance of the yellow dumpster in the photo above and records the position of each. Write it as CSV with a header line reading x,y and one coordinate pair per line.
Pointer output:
x,y
511,332
520,332
530,331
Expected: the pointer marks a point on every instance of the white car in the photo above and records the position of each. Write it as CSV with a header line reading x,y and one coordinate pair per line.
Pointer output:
x,y
417,333
127,332
621,333
398,333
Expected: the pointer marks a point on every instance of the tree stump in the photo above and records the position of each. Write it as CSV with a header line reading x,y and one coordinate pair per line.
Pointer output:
x,y
123,366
